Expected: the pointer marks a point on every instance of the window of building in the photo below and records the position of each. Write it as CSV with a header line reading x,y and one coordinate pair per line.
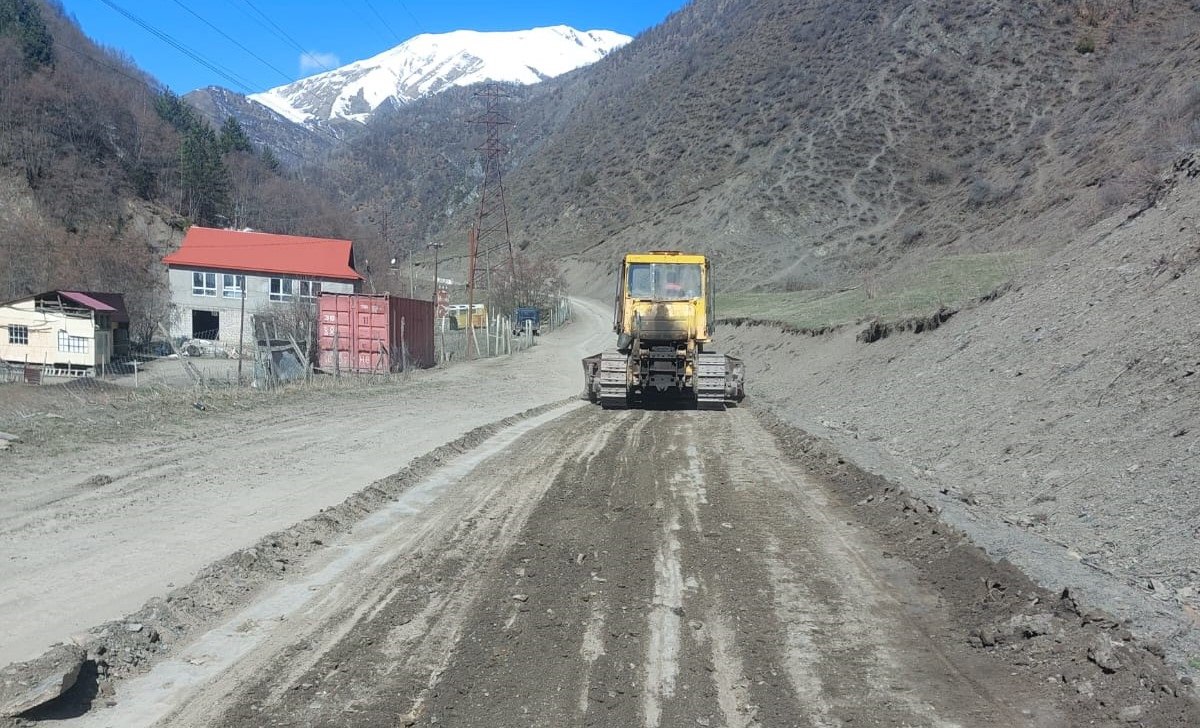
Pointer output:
x,y
18,334
310,289
281,289
204,284
231,285
72,344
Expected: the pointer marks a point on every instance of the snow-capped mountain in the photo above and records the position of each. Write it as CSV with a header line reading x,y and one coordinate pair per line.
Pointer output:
x,y
429,63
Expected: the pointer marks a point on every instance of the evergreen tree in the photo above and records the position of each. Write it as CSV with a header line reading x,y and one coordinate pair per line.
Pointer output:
x,y
269,160
204,175
233,137
175,111
22,19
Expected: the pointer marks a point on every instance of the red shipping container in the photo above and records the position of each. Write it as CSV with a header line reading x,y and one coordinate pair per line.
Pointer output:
x,y
362,332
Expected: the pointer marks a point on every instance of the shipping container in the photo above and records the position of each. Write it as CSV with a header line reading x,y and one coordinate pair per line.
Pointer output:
x,y
360,332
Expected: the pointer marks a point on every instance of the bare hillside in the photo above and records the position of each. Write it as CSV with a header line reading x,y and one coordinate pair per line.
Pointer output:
x,y
807,139
1056,424
808,142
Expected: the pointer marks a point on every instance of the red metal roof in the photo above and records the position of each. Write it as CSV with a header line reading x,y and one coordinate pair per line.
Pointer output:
x,y
113,303
265,253
85,300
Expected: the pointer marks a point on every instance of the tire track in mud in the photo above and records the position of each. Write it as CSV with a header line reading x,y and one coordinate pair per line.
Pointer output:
x,y
646,569
377,654
687,574
852,652
623,617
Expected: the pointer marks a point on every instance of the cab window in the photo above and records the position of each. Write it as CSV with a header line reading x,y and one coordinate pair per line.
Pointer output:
x,y
664,281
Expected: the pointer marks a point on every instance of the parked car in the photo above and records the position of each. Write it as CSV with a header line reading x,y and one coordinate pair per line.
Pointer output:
x,y
526,314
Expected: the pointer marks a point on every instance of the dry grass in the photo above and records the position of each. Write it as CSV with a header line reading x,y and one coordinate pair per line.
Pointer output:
x,y
947,283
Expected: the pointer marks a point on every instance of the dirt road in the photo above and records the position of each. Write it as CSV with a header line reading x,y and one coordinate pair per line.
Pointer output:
x,y
652,568
91,530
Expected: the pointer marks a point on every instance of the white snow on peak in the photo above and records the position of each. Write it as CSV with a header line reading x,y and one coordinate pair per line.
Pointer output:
x,y
430,63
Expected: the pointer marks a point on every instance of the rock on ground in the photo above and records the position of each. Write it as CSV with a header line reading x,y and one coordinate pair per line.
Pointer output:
x,y
27,685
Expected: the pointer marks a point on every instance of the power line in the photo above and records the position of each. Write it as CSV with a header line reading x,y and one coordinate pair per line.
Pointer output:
x,y
281,33
233,41
395,35
171,41
410,14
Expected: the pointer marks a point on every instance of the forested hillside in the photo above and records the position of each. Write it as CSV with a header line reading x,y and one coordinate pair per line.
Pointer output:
x,y
101,168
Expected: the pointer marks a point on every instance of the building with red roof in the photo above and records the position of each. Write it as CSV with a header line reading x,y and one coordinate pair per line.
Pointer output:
x,y
220,278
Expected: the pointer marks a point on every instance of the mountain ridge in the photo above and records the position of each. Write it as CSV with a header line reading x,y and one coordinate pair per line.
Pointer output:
x,y
430,63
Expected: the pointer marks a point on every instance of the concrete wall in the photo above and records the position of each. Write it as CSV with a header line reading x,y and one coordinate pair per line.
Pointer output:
x,y
44,328
228,307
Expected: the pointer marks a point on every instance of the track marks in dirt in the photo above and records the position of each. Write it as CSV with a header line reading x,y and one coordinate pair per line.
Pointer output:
x,y
865,635
622,622
648,569
677,570
370,648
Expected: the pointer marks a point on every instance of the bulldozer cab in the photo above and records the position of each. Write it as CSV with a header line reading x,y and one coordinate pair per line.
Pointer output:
x,y
663,278
664,281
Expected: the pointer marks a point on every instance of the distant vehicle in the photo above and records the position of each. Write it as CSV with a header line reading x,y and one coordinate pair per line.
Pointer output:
x,y
457,313
523,314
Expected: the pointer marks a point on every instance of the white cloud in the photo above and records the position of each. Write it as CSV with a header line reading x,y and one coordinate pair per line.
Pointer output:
x,y
318,62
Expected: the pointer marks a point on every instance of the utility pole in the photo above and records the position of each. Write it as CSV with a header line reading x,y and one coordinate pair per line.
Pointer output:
x,y
490,232
241,329
436,298
436,247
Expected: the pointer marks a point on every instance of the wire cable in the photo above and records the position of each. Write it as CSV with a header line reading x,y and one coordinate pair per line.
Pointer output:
x,y
148,81
227,37
281,33
171,41
395,35
410,14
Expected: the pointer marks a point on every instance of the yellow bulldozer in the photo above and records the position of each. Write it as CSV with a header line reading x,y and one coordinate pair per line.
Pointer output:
x,y
664,319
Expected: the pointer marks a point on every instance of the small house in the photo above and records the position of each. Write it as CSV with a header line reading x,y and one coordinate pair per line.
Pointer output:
x,y
219,279
64,332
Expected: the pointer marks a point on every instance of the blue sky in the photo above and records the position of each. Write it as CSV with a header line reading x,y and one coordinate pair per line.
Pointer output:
x,y
272,33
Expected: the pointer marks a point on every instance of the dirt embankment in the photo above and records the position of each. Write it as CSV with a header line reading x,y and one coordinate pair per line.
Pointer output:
x,y
1056,424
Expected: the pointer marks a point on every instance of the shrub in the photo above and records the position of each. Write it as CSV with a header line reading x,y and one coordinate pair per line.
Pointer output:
x,y
936,175
910,234
1085,45
980,193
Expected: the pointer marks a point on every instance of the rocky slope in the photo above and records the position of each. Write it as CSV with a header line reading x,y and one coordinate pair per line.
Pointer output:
x,y
293,144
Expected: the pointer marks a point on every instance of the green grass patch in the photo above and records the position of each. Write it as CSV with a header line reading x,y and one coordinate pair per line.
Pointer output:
x,y
947,282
